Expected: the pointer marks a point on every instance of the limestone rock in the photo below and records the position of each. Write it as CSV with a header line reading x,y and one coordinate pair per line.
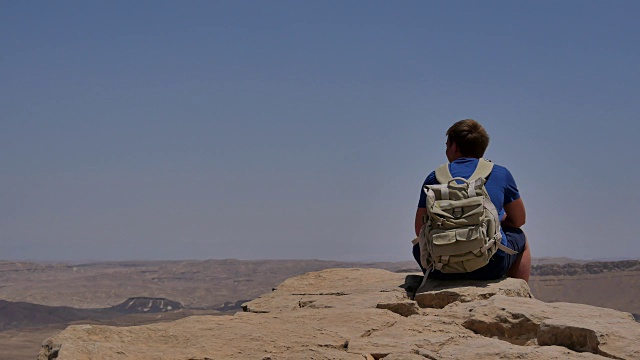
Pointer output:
x,y
438,294
332,288
577,327
367,314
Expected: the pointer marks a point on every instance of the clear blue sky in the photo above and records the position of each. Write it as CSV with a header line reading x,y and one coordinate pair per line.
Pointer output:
x,y
304,129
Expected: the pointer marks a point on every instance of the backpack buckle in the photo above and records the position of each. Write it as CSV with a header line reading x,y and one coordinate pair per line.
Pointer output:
x,y
457,212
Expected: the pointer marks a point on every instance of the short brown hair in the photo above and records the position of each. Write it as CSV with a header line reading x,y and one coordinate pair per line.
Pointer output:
x,y
470,137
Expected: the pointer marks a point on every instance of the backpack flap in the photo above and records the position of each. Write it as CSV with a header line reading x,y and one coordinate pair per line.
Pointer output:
x,y
458,241
450,214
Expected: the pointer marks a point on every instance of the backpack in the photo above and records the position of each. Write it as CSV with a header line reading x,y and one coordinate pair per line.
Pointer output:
x,y
461,230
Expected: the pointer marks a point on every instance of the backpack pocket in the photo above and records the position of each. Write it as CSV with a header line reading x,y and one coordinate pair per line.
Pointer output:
x,y
450,214
460,250
460,241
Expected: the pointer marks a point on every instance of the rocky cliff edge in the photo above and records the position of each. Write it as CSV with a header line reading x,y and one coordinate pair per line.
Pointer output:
x,y
368,314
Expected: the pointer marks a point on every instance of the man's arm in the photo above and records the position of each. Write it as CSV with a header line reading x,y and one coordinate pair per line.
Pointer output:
x,y
420,213
515,214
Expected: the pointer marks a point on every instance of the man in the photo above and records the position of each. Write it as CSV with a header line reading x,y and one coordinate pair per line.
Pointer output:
x,y
467,141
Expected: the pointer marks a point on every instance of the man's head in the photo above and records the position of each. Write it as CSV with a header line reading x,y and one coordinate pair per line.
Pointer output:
x,y
466,138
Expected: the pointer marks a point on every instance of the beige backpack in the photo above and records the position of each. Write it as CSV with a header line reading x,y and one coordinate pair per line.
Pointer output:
x,y
461,230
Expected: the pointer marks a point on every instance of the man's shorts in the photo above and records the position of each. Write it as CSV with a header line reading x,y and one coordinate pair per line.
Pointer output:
x,y
497,267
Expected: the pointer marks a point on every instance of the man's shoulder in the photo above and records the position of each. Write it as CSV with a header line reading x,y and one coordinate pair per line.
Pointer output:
x,y
501,174
499,169
431,179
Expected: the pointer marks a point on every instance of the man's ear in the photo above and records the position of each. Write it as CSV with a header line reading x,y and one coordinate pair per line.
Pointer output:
x,y
455,149
454,152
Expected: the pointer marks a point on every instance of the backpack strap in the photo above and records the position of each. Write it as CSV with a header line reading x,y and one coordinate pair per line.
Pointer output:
x,y
424,281
506,249
442,174
483,169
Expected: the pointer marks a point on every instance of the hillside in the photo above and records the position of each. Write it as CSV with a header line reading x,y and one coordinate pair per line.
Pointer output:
x,y
606,284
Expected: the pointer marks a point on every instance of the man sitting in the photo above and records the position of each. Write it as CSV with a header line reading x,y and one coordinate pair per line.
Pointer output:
x,y
466,143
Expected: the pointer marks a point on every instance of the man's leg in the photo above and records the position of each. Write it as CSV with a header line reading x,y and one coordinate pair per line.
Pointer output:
x,y
521,268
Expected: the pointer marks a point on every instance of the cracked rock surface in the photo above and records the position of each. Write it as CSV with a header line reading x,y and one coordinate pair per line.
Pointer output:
x,y
367,314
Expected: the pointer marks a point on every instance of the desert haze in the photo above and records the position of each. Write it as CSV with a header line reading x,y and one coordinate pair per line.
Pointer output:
x,y
37,300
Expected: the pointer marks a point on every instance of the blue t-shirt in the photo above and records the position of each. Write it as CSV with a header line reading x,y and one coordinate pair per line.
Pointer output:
x,y
500,184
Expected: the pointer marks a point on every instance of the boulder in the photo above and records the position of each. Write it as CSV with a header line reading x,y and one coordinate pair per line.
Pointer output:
x,y
333,288
438,294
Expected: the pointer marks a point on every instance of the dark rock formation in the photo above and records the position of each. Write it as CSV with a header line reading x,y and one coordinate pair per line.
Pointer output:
x,y
146,305
596,267
15,315
230,306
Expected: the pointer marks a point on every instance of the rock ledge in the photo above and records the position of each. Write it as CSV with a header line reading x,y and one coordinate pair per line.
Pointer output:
x,y
367,314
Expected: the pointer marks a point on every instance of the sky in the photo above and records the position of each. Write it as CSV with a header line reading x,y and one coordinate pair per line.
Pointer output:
x,y
139,130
